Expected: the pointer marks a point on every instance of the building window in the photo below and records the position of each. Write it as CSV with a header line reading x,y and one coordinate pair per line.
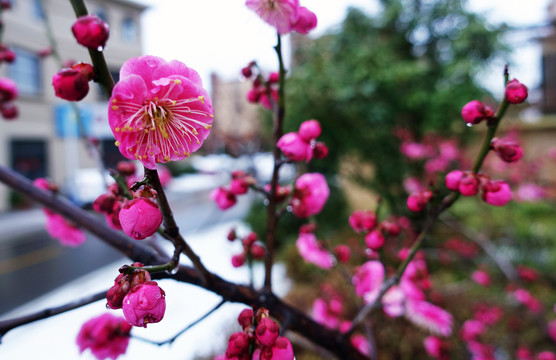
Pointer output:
x,y
101,13
129,30
38,10
28,157
26,72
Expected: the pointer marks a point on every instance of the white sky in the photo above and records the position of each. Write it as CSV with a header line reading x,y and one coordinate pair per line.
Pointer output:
x,y
223,35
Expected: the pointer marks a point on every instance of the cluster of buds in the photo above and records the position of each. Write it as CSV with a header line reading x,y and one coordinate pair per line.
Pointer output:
x,y
8,93
72,83
141,299
302,145
475,111
139,217
226,197
259,333
493,192
91,32
365,221
264,91
252,249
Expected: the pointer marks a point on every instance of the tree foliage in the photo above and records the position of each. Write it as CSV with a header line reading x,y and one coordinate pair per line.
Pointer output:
x,y
411,65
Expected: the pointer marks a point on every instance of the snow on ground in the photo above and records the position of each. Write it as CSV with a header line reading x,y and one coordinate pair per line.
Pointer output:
x,y
54,338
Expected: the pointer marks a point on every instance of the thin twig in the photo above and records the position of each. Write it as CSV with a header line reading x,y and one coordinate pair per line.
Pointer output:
x,y
7,325
278,124
188,327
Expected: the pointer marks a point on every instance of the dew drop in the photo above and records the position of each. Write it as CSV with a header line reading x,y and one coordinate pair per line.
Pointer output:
x,y
175,270
100,48
469,124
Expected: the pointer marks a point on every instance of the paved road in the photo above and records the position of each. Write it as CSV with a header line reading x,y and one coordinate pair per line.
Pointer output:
x,y
33,263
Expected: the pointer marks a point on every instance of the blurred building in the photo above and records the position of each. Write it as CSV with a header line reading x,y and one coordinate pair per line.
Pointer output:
x,y
237,129
42,141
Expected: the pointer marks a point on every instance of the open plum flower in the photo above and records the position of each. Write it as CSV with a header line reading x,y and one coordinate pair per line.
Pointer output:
x,y
106,335
159,111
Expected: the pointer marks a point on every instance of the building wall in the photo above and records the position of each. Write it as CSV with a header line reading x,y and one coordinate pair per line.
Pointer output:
x,y
25,32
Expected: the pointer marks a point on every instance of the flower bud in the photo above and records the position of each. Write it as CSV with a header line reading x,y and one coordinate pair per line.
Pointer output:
x,y
238,260
509,151
144,304
320,151
468,184
245,318
250,239
9,111
267,331
342,252
247,72
452,179
481,277
273,78
417,201
309,130
515,92
8,90
90,31
224,198
7,55
475,111
140,218
232,234
239,186
257,251
238,344
497,193
104,203
390,227
85,69
293,146
374,240
126,168
253,96
70,84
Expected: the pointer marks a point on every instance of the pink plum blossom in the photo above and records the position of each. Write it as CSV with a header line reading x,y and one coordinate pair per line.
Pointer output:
x,y
546,355
106,335
140,218
342,252
417,201
497,193
306,22
144,304
8,90
325,314
280,14
310,195
530,192
468,184
159,111
393,302
523,296
238,344
429,316
224,198
368,279
62,230
435,346
515,92
312,251
281,350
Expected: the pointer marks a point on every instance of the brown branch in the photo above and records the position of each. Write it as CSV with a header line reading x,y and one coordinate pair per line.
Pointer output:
x,y
136,251
172,230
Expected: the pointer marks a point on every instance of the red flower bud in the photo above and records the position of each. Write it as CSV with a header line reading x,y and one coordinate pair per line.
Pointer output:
x,y
140,218
509,151
515,92
475,111
267,332
70,84
9,111
90,31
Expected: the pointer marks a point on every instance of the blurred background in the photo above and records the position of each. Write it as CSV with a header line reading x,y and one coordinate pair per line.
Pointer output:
x,y
376,74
